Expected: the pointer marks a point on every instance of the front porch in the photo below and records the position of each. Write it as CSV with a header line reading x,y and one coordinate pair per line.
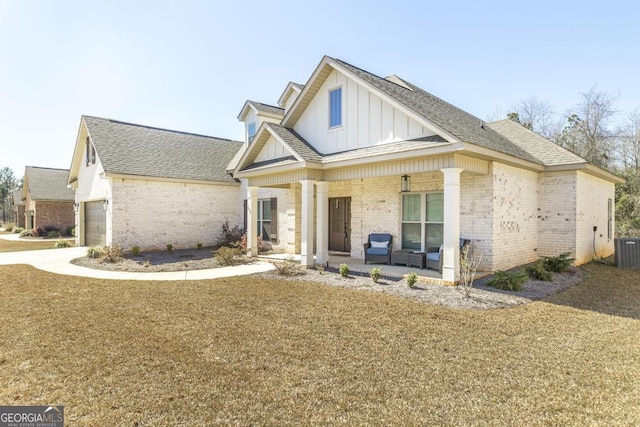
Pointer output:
x,y
359,268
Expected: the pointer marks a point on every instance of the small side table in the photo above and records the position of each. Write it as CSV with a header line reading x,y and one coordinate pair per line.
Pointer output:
x,y
417,259
399,257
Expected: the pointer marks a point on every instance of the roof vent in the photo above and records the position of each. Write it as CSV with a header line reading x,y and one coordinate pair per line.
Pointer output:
x,y
397,80
481,124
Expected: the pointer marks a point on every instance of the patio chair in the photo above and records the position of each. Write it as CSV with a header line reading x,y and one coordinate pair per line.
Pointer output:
x,y
378,248
434,259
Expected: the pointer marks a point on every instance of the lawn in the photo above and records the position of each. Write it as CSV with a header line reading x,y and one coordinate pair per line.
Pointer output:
x,y
247,351
26,245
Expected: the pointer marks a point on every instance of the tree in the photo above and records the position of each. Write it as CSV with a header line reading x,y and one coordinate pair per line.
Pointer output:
x,y
8,182
587,130
629,142
537,115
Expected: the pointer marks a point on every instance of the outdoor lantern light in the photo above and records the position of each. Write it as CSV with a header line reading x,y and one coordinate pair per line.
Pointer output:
x,y
105,204
76,205
405,183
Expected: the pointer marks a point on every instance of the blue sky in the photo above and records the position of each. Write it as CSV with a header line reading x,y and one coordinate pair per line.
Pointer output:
x,y
190,65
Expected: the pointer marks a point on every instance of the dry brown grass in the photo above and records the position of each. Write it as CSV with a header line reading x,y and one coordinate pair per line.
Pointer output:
x,y
246,351
21,245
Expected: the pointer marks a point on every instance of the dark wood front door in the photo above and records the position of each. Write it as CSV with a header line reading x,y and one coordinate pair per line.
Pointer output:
x,y
340,224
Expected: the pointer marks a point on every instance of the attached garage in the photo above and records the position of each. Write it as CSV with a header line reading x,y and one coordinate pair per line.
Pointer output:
x,y
95,220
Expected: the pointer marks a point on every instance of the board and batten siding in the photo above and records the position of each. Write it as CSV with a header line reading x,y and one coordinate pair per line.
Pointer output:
x,y
366,119
272,150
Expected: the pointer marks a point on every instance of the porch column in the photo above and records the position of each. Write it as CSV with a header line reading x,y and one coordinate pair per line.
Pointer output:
x,y
306,238
451,255
252,223
322,226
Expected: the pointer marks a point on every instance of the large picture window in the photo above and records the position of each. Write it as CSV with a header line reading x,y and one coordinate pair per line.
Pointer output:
x,y
422,221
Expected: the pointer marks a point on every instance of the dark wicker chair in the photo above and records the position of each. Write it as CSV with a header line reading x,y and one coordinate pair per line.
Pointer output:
x,y
378,252
434,259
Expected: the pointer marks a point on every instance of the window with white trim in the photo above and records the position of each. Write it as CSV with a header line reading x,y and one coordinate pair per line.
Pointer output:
x,y
335,107
90,151
422,221
251,131
264,219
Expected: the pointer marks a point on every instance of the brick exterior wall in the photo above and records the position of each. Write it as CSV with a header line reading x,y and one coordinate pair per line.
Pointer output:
x,y
151,214
591,210
18,215
58,214
557,213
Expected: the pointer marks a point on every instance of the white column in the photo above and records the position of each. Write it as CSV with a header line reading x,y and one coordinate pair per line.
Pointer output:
x,y
451,256
306,238
322,226
252,224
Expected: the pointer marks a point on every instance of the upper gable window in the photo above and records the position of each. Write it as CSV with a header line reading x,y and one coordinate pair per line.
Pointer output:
x,y
90,151
335,107
251,131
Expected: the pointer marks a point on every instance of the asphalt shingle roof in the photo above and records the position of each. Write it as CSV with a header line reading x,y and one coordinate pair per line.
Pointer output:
x,y
268,109
131,149
48,184
452,119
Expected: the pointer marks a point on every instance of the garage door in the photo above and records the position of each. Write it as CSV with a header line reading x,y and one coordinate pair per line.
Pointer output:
x,y
95,224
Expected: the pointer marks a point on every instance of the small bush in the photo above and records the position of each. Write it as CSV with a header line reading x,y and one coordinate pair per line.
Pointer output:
x,y
344,270
112,254
94,252
227,255
558,264
199,245
411,278
537,272
62,244
375,274
53,234
26,233
289,267
135,251
18,230
508,281
71,231
320,269
9,227
40,231
230,235
169,247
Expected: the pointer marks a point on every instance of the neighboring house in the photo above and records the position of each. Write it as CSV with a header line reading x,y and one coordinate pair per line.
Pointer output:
x,y
17,208
143,186
46,198
364,154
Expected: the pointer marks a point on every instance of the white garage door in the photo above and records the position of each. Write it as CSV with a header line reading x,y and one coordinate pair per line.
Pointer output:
x,y
95,224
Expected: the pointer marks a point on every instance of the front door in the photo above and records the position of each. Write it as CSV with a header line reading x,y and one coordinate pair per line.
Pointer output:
x,y
340,224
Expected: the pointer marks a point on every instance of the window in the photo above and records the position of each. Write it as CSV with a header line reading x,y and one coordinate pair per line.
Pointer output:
x,y
251,131
422,221
609,219
335,107
90,151
264,219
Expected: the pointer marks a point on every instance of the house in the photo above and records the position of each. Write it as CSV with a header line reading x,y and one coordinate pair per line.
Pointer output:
x,y
46,199
364,154
143,186
17,208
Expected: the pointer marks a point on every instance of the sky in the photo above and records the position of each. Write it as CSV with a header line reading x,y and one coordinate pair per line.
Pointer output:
x,y
190,65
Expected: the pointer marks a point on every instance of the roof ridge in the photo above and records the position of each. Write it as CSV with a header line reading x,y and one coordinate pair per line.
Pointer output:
x,y
161,129
266,105
45,167
377,76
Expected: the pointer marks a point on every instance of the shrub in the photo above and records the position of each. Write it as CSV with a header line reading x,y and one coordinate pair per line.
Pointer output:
x,y
469,263
537,272
18,230
135,251
71,231
62,244
411,278
320,269
40,231
9,227
53,234
94,252
26,233
242,244
558,264
508,281
112,254
227,255
289,267
169,247
344,270
199,245
375,274
230,235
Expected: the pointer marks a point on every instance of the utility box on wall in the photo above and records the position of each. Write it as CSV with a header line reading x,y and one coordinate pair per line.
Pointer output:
x,y
627,253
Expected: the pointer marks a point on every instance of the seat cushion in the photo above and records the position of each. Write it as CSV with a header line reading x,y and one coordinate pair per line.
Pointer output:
x,y
378,251
433,256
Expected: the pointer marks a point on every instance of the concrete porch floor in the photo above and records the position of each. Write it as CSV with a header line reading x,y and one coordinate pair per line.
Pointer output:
x,y
358,267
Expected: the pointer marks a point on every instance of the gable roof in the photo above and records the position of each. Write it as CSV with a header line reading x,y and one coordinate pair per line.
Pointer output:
x,y
131,149
547,152
260,108
47,184
291,87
